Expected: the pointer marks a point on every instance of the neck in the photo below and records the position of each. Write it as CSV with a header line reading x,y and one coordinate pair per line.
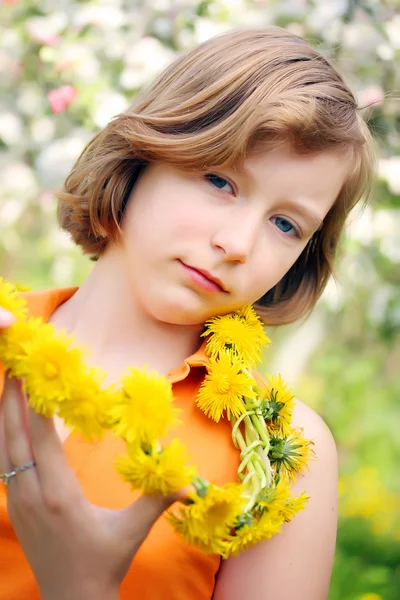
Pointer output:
x,y
105,316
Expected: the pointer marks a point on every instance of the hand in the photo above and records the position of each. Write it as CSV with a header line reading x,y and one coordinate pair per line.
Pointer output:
x,y
75,549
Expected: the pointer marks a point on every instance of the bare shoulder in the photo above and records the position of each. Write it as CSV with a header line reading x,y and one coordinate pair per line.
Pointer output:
x,y
296,563
320,478
309,420
315,429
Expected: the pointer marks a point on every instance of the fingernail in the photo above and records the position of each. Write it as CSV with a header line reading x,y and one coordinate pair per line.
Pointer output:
x,y
6,318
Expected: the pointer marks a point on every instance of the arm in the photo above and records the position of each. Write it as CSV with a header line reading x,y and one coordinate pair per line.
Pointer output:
x,y
76,550
297,563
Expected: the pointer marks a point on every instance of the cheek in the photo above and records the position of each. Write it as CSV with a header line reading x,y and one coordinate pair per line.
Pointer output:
x,y
176,215
183,219
270,266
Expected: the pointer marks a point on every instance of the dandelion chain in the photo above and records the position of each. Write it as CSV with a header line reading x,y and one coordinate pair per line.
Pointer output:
x,y
218,519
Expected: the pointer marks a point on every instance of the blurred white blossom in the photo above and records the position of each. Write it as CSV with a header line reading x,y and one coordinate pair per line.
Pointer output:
x,y
389,169
60,239
360,35
373,95
333,295
10,211
378,303
42,130
385,51
107,105
104,16
62,270
206,28
47,29
360,225
393,30
325,14
31,100
54,162
17,181
11,128
11,42
144,60
386,226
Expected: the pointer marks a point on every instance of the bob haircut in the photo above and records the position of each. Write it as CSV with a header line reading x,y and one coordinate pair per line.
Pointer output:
x,y
238,93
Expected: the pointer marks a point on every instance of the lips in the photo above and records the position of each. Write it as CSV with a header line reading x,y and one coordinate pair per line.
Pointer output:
x,y
211,278
215,281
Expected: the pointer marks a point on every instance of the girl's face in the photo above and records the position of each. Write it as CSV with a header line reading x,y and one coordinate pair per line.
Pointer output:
x,y
199,244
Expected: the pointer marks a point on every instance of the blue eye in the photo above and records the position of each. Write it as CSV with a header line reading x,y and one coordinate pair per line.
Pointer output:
x,y
219,182
285,226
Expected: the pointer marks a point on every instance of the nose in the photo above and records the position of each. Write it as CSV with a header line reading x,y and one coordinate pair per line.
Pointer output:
x,y
237,236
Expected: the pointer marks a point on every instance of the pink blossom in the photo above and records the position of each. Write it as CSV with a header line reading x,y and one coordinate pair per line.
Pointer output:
x,y
50,39
371,96
61,98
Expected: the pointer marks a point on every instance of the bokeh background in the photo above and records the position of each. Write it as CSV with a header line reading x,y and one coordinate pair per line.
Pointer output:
x,y
68,67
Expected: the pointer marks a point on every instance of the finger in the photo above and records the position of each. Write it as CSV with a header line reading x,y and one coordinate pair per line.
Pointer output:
x,y
6,318
5,463
16,432
55,474
137,519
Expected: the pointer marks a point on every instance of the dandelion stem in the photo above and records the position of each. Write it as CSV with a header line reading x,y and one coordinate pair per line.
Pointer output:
x,y
237,424
259,425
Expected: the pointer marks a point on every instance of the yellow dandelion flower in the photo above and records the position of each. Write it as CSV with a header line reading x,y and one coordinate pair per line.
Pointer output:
x,y
211,516
259,529
278,405
294,505
244,338
209,545
11,300
157,472
49,368
87,403
244,537
273,498
248,314
277,501
13,340
223,388
20,287
145,410
290,455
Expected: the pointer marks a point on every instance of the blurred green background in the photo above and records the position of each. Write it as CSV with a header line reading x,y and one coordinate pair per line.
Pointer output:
x,y
68,67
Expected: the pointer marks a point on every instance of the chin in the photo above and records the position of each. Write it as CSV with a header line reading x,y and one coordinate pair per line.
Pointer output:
x,y
188,312
179,315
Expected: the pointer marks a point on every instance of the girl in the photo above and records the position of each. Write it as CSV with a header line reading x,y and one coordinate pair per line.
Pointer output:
x,y
228,182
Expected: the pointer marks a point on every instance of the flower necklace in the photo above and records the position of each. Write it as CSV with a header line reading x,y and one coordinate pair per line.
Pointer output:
x,y
218,519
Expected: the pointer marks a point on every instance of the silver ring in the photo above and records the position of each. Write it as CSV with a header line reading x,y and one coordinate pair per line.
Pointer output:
x,y
5,477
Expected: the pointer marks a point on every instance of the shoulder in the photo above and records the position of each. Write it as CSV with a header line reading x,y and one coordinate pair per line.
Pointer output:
x,y
315,429
301,556
320,480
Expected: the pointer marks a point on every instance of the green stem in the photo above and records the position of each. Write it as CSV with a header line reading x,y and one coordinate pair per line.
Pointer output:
x,y
237,424
266,464
245,462
238,438
253,445
250,432
260,469
259,425
256,489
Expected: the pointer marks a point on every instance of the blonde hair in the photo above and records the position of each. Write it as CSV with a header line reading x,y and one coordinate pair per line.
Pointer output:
x,y
212,107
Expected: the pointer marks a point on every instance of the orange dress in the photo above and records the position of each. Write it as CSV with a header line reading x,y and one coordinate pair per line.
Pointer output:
x,y
165,568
